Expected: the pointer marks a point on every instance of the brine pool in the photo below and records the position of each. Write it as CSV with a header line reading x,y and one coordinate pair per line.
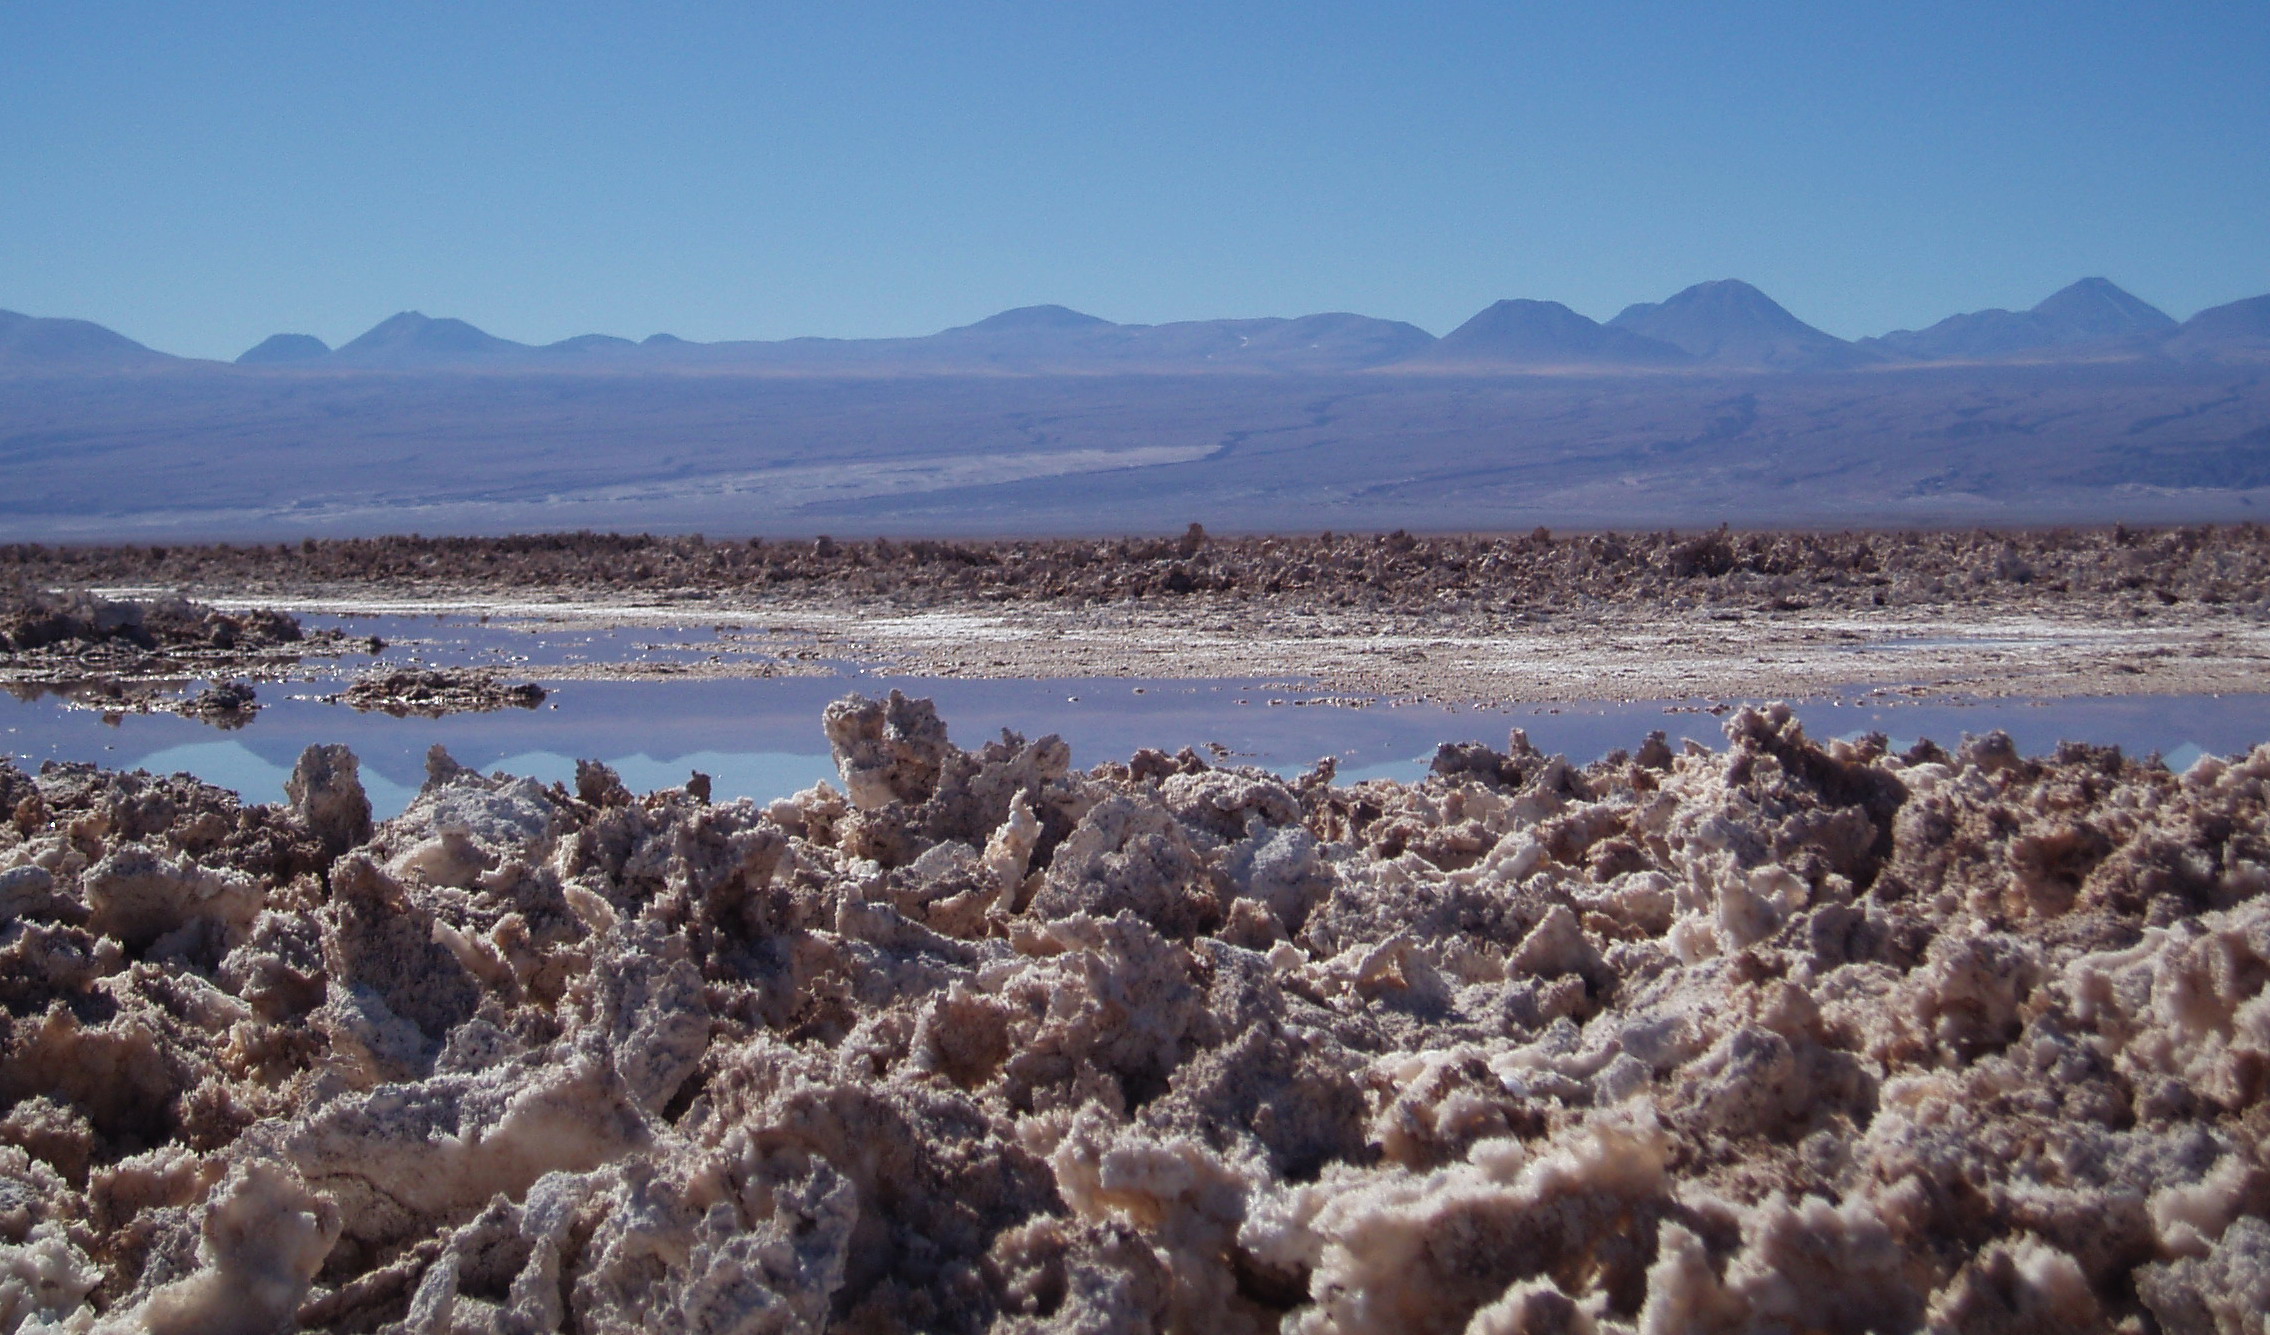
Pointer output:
x,y
761,738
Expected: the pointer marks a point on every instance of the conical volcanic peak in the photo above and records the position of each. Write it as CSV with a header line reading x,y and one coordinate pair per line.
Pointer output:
x,y
284,349
415,338
1544,335
2094,309
34,342
1732,323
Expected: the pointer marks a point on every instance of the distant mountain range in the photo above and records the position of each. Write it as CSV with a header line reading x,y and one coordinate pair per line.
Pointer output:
x,y
2091,314
1713,405
1731,323
1726,325
1544,335
29,341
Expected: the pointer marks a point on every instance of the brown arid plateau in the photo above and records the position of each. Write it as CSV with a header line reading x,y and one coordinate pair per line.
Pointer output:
x,y
1796,1036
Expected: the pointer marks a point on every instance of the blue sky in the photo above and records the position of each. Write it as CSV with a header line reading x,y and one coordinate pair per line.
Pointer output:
x,y
200,176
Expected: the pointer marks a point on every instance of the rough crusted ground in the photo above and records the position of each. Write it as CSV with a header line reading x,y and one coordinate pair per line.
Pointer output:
x,y
49,635
1792,1037
1595,616
135,655
142,654
433,692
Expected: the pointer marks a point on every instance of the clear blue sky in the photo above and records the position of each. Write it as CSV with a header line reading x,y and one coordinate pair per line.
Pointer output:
x,y
198,176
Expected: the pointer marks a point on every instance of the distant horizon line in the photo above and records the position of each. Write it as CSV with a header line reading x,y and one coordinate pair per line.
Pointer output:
x,y
664,334
1046,315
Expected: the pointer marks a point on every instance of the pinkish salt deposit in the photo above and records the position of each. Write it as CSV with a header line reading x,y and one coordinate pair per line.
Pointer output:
x,y
1793,1037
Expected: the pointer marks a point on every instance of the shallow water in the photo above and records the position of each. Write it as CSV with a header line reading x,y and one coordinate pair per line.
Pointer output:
x,y
761,737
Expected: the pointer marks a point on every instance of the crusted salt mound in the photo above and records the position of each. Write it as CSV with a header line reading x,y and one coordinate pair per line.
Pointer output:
x,y
33,620
1788,1037
433,692
130,655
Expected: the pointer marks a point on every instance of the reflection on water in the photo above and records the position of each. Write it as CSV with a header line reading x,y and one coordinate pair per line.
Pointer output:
x,y
236,766
761,738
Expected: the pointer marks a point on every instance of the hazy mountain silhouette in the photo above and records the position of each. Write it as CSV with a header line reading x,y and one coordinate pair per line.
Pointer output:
x,y
1730,323
2238,327
281,349
1041,339
1331,342
1037,340
33,342
1028,320
1543,335
1336,339
2090,313
1044,419
2094,308
1027,340
415,339
1726,326
592,345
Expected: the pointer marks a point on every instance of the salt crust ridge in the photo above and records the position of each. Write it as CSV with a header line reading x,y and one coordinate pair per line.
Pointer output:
x,y
1791,1037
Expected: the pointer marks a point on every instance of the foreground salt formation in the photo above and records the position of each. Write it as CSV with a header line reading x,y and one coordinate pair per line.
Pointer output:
x,y
1791,1037
136,655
